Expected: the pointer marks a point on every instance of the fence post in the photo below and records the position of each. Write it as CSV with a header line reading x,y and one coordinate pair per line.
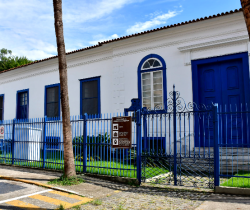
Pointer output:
x,y
13,141
175,140
85,143
44,140
216,146
145,131
138,147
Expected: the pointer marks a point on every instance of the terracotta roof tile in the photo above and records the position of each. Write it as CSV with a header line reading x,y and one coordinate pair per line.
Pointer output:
x,y
128,36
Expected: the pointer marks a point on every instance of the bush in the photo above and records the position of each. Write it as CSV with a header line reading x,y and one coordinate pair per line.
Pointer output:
x,y
93,143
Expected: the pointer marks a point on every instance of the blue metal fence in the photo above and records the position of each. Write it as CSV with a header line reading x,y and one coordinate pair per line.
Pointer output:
x,y
183,144
234,145
39,143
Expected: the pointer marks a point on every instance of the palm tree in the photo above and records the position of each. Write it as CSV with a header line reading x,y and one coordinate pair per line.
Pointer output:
x,y
69,165
246,11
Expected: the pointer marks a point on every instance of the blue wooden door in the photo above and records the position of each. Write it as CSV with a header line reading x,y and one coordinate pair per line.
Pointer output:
x,y
232,102
22,105
222,83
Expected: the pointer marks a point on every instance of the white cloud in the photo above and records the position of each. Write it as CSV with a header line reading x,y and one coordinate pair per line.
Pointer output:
x,y
101,38
156,21
88,10
27,27
34,54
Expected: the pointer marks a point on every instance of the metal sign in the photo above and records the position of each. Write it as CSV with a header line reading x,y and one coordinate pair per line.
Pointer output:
x,y
1,132
121,132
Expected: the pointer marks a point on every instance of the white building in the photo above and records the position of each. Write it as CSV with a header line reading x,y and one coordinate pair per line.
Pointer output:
x,y
207,60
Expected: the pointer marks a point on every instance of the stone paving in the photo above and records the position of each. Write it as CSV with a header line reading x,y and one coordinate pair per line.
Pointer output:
x,y
149,199
144,197
152,195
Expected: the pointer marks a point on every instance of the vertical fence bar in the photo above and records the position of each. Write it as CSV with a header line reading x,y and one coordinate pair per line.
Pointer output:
x,y
138,132
175,140
216,147
13,141
84,143
44,140
145,133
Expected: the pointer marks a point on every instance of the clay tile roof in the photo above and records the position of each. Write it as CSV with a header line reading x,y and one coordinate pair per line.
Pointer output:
x,y
128,36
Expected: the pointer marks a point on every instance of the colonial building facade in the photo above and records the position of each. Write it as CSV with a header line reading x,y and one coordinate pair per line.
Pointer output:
x,y
206,59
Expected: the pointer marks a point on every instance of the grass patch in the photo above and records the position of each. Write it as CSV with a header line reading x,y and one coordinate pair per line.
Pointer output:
x,y
111,167
237,181
76,207
65,181
96,202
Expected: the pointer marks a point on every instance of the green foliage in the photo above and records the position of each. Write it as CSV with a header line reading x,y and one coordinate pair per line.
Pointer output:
x,y
91,144
97,202
8,61
61,207
76,207
63,180
120,207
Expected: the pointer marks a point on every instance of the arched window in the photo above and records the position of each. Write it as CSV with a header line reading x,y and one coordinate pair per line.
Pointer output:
x,y
152,82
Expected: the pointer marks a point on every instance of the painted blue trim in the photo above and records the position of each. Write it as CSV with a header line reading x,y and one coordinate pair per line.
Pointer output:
x,y
163,68
2,95
90,78
245,66
17,105
99,93
45,100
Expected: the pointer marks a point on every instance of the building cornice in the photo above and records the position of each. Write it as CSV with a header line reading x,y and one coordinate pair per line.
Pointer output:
x,y
110,53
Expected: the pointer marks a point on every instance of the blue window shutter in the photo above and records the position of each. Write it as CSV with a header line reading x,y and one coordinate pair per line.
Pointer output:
x,y
1,107
22,104
52,101
90,99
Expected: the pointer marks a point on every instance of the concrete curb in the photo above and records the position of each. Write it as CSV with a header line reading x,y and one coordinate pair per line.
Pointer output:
x,y
123,180
41,185
232,190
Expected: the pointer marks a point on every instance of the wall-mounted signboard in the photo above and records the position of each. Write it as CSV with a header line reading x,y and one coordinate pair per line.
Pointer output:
x,y
1,132
121,132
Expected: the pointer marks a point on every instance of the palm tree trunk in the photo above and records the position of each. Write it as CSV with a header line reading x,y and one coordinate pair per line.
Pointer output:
x,y
246,11
69,166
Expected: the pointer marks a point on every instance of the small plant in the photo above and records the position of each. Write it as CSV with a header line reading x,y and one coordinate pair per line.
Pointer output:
x,y
76,207
97,202
120,207
61,207
133,183
63,180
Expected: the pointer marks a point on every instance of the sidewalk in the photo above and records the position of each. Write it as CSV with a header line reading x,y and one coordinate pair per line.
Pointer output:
x,y
111,195
37,176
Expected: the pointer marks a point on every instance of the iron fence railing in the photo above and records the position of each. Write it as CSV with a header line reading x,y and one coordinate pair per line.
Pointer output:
x,y
39,143
200,146
234,145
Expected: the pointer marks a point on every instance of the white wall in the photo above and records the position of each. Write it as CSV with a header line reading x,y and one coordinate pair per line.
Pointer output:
x,y
117,64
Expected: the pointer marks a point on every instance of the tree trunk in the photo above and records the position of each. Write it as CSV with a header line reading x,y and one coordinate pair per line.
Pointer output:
x,y
246,11
69,165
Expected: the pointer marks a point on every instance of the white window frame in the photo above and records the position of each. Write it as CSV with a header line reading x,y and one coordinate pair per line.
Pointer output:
x,y
151,67
152,88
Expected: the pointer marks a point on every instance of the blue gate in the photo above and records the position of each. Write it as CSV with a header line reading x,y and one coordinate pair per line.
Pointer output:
x,y
176,144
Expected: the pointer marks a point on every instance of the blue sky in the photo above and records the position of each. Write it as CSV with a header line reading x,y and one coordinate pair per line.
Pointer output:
x,y
27,27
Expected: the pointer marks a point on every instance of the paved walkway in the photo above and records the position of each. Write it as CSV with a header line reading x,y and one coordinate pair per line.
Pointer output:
x,y
110,195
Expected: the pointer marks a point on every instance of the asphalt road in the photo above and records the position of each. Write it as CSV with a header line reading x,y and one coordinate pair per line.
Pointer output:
x,y
18,195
